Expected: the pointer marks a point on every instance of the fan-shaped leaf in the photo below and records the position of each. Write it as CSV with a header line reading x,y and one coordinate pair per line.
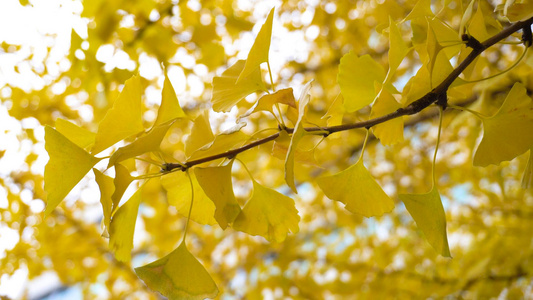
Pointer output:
x,y
509,132
201,134
428,213
390,132
67,165
170,108
124,119
358,190
106,186
179,275
268,214
216,183
78,135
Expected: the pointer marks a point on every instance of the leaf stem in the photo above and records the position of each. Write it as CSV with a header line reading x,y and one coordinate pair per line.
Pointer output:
x,y
436,147
364,145
190,207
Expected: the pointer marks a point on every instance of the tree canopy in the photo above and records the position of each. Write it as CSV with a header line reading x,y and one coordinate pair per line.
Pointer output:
x,y
273,149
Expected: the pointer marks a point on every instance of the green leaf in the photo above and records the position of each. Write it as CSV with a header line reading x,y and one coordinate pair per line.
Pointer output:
x,y
297,135
124,119
428,213
259,52
170,108
358,190
356,79
179,275
179,195
227,93
68,164
216,183
509,132
268,214
148,143
122,227
78,135
106,186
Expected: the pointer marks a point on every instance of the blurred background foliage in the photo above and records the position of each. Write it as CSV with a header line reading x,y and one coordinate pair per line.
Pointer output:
x,y
336,254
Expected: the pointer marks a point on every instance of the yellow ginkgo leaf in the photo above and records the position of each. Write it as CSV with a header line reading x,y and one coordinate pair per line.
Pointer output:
x,y
358,190
335,112
516,10
216,183
266,102
170,108
466,17
446,36
201,134
68,164
281,147
397,49
259,52
390,132
122,181
417,86
509,132
222,142
148,143
179,275
106,186
356,79
421,9
124,119
122,227
78,135
268,214
226,93
179,195
297,135
428,213
477,27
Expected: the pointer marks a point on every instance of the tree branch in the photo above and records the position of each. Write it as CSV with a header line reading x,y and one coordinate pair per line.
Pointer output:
x,y
438,94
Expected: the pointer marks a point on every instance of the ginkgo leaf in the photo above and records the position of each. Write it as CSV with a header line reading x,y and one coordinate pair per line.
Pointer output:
x,y
122,181
466,17
170,108
281,147
222,142
179,195
297,135
358,190
446,37
201,134
226,93
124,119
148,143
509,132
179,275
269,214
216,183
78,135
266,102
356,79
68,164
122,227
477,27
390,132
335,112
259,52
428,213
518,10
417,86
421,9
107,187
397,49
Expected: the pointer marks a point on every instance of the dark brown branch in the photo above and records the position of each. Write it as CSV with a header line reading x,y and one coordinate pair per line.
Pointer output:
x,y
433,96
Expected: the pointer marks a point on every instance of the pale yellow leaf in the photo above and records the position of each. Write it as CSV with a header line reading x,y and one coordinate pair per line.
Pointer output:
x,y
78,135
179,275
179,195
358,190
259,52
428,213
68,164
170,108
122,227
107,187
269,214
356,79
390,132
124,119
216,183
201,134
122,181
